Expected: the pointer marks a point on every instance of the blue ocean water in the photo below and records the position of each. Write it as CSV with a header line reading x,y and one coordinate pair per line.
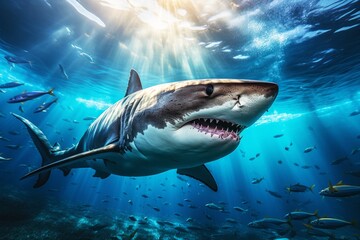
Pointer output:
x,y
311,49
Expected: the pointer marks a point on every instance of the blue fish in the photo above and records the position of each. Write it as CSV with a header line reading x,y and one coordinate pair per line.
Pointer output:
x,y
62,70
300,188
29,96
16,60
340,190
45,106
330,223
11,84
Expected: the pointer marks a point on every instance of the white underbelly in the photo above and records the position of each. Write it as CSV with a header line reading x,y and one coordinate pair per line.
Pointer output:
x,y
130,163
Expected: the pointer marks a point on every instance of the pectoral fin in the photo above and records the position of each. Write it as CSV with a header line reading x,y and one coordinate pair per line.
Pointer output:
x,y
200,173
100,153
101,174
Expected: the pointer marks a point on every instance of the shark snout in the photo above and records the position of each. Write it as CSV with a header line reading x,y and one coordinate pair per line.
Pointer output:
x,y
266,89
254,99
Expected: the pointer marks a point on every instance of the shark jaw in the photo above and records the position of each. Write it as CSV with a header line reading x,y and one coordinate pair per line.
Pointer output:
x,y
217,128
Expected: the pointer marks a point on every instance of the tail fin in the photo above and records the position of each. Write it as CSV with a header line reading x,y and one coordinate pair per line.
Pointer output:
x,y
311,188
308,226
42,145
51,92
316,214
288,221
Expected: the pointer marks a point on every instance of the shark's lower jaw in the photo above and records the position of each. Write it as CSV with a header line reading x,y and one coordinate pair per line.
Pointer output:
x,y
217,128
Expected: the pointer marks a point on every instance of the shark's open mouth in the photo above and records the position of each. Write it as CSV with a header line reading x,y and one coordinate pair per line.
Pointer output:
x,y
219,128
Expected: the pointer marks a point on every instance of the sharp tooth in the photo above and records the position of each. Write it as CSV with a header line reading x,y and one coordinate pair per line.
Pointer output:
x,y
211,120
217,121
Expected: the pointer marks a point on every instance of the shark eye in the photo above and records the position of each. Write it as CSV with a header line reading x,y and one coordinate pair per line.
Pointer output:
x,y
209,89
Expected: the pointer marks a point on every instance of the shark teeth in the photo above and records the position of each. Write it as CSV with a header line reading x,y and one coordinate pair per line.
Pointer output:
x,y
223,129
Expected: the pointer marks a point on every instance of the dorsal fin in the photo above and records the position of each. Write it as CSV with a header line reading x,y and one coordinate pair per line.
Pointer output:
x,y
331,188
339,183
134,84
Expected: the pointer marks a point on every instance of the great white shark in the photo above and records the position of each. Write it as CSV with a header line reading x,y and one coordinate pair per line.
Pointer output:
x,y
180,125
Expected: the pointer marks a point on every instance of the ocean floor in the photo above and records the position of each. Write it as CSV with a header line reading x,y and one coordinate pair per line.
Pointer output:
x,y
25,215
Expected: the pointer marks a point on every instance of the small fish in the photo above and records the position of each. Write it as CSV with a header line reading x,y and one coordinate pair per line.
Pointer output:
x,y
355,151
257,155
268,223
252,159
87,56
340,190
299,188
274,194
309,149
29,96
132,218
62,70
4,158
305,166
180,229
130,202
258,202
156,209
4,139
45,106
287,148
300,215
330,223
11,84
280,162
14,147
190,220
318,232
278,135
21,109
257,180
214,206
16,60
317,167
296,164
89,118
2,91
239,209
145,196
231,220
355,113
13,132
339,160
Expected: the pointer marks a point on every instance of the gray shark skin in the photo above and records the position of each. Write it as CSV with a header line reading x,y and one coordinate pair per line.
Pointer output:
x,y
180,125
